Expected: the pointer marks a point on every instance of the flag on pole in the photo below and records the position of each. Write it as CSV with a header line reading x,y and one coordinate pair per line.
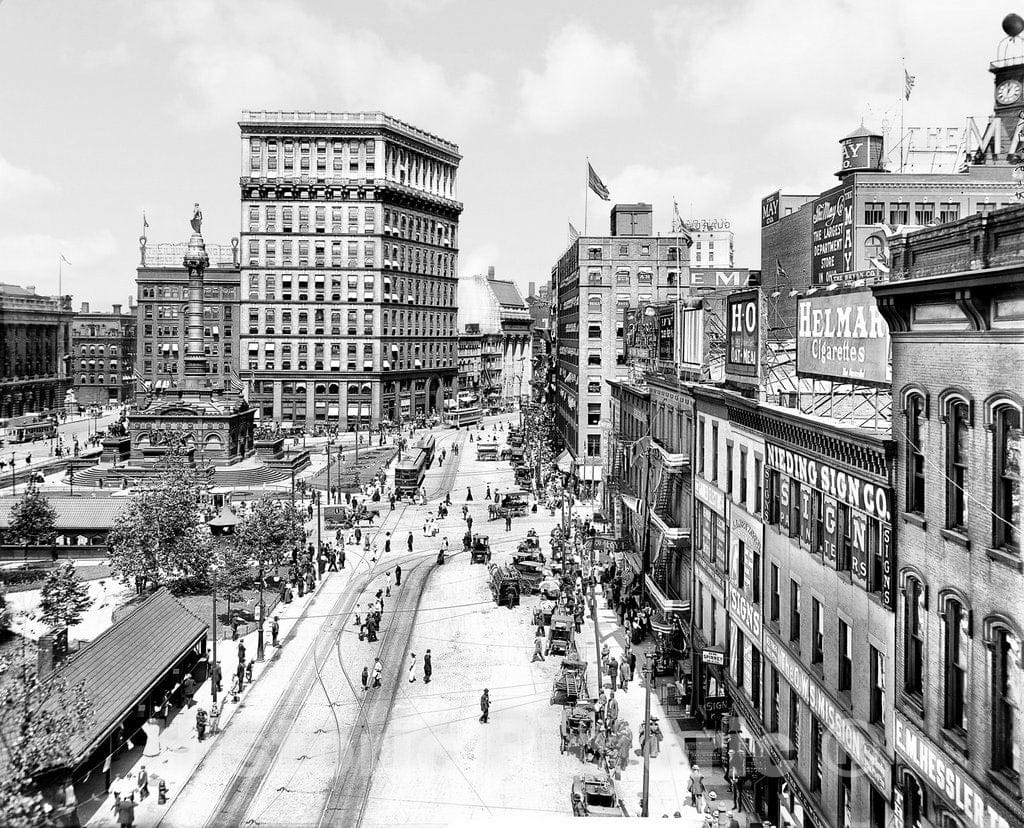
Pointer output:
x,y
573,233
909,82
64,259
677,220
145,223
780,271
596,184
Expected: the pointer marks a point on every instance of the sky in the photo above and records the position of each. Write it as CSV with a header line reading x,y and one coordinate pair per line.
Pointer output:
x,y
109,109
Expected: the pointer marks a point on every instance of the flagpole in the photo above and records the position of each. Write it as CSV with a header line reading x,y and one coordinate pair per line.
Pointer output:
x,y
586,196
902,97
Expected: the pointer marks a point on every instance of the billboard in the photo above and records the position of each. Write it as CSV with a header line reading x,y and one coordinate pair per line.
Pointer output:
x,y
666,321
743,333
832,226
843,337
691,323
719,276
770,209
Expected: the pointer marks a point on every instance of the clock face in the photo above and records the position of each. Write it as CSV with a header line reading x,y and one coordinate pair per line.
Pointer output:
x,y
1009,92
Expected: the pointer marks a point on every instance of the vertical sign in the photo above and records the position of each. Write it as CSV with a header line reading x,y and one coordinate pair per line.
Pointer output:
x,y
770,209
832,227
667,333
743,334
886,552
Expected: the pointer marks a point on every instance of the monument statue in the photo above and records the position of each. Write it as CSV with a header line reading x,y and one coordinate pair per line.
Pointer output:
x,y
197,220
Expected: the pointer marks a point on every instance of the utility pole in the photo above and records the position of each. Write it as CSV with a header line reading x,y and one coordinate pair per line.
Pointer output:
x,y
645,801
328,469
213,678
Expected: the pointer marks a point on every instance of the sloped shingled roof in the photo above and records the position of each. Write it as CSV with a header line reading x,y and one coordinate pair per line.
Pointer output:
x,y
506,293
74,512
123,664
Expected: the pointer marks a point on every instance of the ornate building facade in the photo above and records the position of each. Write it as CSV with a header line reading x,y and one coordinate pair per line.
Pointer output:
x,y
349,261
103,355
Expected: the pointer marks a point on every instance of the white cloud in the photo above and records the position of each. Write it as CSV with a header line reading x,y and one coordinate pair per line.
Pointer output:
x,y
112,57
585,77
32,259
17,183
267,55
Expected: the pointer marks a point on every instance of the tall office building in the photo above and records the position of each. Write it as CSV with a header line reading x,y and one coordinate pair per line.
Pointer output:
x,y
349,266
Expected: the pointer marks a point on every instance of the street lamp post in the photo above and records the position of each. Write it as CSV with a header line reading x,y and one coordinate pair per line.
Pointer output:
x,y
14,487
645,801
263,609
213,678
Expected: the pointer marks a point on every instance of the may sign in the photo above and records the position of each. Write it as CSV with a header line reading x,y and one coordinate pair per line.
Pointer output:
x,y
770,209
743,334
832,235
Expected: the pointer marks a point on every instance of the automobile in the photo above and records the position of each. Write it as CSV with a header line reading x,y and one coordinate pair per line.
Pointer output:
x,y
550,588
593,795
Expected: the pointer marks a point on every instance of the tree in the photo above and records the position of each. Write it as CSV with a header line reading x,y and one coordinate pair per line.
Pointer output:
x,y
160,535
33,519
234,572
5,615
268,530
38,719
65,598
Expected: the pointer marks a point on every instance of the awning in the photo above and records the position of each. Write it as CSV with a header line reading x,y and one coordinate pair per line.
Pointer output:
x,y
631,503
589,472
664,604
564,461
353,410
334,411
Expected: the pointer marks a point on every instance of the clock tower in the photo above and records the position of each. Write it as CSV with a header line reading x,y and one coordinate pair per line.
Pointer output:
x,y
1008,104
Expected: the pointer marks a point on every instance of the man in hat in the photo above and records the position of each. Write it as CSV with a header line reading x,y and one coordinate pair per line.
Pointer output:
x,y
428,667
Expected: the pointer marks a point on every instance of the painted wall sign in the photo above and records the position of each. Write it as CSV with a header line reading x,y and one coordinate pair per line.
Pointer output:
x,y
943,776
743,333
719,276
744,613
770,209
832,226
846,730
711,495
843,337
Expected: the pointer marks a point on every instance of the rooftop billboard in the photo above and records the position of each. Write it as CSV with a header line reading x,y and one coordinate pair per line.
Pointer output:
x,y
843,337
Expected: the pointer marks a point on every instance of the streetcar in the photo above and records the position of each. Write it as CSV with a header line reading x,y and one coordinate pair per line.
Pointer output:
x,y
464,416
31,427
409,473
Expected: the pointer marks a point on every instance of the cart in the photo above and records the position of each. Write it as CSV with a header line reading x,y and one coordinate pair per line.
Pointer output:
x,y
480,550
542,614
579,722
570,684
561,634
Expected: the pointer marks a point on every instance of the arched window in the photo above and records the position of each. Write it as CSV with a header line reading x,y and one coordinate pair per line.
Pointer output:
x,y
353,389
333,389
958,425
915,805
1004,684
914,412
915,606
874,248
594,303
956,636
1006,490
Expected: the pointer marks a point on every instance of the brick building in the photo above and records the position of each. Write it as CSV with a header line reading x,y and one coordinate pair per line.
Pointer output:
x,y
161,326
350,247
955,308
35,332
103,354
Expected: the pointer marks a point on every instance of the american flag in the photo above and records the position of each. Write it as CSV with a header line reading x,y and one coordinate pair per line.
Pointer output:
x,y
909,82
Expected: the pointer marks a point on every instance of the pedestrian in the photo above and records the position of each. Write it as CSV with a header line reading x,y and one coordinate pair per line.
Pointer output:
x,y
428,667
412,667
365,677
488,495
241,652
332,556
125,807
275,629
696,788
240,674
469,494
538,649
624,674
387,543
217,675
733,822
485,706
214,720
359,535
409,542
398,575
201,723
143,782
632,664
465,512
188,689
248,670
508,521
611,711
341,557
613,672
378,668
469,523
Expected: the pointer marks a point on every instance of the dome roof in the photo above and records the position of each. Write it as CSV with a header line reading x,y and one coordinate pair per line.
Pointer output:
x,y
862,132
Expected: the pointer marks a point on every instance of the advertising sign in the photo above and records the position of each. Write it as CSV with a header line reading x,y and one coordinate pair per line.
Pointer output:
x,y
629,324
846,729
770,209
718,277
691,322
744,613
743,334
712,657
832,225
666,321
843,337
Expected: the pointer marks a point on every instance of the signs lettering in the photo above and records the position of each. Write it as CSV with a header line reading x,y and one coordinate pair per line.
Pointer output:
x,y
743,612
846,730
712,657
868,497
712,496
830,513
770,209
843,337
743,339
832,225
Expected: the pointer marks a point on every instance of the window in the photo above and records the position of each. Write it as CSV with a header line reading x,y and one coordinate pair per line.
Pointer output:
x,y
958,423
714,452
924,213
949,212
954,663
794,612
755,576
774,610
898,214
914,803
845,657
594,331
874,212
700,446
817,634
645,250
593,253
874,248
1005,652
876,680
772,497
593,445
728,469
816,754
1007,489
740,678
846,791
915,454
743,476
773,712
594,358
794,725
913,636
593,414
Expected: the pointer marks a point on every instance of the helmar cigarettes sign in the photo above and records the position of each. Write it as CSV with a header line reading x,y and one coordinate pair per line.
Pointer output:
x,y
843,337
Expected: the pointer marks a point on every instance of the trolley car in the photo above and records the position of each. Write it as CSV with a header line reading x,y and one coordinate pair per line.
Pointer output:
x,y
410,472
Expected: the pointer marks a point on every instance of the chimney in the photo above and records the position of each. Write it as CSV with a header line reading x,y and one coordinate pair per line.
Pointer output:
x,y
490,271
117,310
85,307
533,289
131,302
